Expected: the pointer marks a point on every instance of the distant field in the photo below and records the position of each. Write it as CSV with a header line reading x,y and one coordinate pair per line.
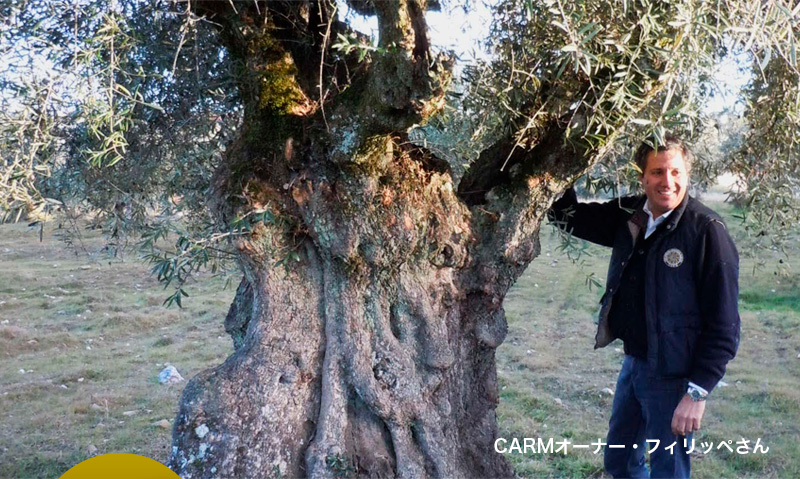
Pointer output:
x,y
84,336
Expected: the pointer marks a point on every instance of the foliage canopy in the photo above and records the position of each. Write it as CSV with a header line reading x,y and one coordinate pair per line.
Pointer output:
x,y
124,109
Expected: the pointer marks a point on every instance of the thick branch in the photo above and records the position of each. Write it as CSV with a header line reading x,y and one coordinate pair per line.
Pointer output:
x,y
508,206
508,164
277,47
400,87
289,73
367,7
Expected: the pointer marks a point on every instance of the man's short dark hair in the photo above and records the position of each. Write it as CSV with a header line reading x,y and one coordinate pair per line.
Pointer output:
x,y
671,142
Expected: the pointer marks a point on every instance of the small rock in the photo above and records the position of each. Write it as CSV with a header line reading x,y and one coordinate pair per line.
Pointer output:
x,y
22,371
86,266
201,451
64,386
5,321
529,352
130,413
798,355
723,384
558,401
92,449
33,341
80,380
617,350
201,431
96,407
608,391
163,424
169,375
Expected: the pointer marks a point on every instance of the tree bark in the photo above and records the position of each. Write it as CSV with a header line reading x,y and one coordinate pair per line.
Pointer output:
x,y
371,309
372,355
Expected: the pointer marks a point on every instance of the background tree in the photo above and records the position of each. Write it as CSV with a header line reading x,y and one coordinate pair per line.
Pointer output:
x,y
376,254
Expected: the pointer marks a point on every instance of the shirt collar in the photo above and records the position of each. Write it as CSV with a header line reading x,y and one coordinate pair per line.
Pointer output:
x,y
652,224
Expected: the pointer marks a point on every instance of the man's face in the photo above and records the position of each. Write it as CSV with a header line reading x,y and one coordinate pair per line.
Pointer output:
x,y
664,180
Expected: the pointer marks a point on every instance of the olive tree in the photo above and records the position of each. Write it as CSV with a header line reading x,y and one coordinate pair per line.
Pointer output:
x,y
379,214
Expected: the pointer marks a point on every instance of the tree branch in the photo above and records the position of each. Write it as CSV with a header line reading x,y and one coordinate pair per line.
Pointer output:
x,y
367,7
508,163
279,47
400,87
508,206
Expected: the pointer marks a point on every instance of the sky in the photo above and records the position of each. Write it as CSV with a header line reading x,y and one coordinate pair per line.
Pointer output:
x,y
730,79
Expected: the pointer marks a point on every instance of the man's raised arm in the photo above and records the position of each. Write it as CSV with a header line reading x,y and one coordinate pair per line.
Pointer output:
x,y
594,222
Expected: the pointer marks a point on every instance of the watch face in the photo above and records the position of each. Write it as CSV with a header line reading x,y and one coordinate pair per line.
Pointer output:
x,y
695,394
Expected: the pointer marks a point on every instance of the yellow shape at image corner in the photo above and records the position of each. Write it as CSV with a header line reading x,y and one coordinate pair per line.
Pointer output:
x,y
120,466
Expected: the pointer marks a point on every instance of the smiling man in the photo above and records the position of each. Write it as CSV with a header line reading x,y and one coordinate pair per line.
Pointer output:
x,y
671,297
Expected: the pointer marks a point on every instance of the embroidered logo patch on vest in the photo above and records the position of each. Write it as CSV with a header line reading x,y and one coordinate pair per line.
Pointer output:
x,y
673,257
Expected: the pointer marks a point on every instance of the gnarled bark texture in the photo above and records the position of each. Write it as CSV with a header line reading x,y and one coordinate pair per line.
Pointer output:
x,y
371,308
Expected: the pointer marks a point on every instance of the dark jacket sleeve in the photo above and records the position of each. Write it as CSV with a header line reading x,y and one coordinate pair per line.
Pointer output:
x,y
718,293
594,222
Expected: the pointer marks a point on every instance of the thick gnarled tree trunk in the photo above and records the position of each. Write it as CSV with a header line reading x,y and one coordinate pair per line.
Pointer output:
x,y
367,322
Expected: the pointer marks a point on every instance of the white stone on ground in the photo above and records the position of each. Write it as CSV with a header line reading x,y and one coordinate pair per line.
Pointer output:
x,y
169,375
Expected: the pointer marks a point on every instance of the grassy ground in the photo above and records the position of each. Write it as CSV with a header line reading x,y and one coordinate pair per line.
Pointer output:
x,y
83,338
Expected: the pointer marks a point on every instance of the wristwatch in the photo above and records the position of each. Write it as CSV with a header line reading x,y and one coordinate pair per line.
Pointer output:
x,y
695,394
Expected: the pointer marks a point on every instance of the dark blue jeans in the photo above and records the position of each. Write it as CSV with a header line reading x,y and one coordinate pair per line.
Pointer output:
x,y
641,414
